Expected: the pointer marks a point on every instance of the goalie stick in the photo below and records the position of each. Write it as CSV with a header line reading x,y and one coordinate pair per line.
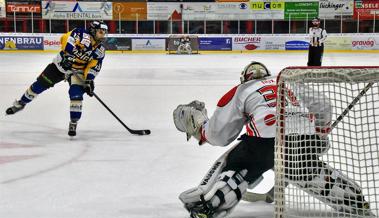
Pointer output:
x,y
352,104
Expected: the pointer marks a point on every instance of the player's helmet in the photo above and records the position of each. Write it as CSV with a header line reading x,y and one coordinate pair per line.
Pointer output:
x,y
254,70
94,26
316,21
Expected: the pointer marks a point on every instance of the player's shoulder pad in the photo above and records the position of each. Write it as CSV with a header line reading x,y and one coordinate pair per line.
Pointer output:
x,y
77,32
83,36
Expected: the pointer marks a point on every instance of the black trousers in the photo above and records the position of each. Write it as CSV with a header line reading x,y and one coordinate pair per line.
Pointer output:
x,y
50,76
302,161
315,55
254,154
257,156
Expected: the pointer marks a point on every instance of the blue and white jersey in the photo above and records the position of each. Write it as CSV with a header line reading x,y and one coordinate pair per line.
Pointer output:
x,y
88,54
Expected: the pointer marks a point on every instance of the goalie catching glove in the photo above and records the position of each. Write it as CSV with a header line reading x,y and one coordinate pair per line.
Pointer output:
x,y
189,118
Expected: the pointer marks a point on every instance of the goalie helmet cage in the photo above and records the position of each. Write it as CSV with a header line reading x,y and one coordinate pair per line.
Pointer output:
x,y
173,43
352,152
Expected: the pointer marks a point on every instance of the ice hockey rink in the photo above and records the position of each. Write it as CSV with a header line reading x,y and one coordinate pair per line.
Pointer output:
x,y
105,172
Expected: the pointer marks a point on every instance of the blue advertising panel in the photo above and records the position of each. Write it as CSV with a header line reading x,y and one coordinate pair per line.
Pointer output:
x,y
297,45
215,44
21,43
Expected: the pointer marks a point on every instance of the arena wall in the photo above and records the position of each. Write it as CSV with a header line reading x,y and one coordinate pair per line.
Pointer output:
x,y
369,42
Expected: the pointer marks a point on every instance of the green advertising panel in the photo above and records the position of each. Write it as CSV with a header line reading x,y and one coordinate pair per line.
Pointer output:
x,y
300,10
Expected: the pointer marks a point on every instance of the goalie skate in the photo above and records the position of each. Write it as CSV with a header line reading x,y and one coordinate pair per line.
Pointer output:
x,y
17,106
200,209
72,128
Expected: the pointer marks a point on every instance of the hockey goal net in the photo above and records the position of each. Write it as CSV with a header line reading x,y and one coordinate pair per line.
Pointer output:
x,y
332,172
173,43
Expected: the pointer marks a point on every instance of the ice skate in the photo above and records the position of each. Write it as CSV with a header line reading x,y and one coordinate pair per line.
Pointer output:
x,y
17,106
72,128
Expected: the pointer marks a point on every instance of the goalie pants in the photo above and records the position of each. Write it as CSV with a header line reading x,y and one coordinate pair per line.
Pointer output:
x,y
47,79
254,154
257,156
302,156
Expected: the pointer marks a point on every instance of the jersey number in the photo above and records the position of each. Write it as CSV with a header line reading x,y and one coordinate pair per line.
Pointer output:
x,y
270,93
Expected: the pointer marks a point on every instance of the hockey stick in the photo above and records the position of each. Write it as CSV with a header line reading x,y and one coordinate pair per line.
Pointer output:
x,y
132,131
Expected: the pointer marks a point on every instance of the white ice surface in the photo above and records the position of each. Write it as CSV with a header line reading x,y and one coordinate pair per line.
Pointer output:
x,y
105,172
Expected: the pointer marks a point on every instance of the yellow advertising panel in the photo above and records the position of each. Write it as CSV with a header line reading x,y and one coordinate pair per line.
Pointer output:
x,y
129,10
257,5
338,43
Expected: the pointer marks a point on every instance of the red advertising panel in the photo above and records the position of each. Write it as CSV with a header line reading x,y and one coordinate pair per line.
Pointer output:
x,y
23,8
366,10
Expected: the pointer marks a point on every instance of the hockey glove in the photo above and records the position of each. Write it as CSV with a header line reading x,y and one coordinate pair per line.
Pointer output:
x,y
89,87
67,61
189,118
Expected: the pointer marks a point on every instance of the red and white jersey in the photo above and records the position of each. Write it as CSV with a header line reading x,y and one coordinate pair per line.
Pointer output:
x,y
253,105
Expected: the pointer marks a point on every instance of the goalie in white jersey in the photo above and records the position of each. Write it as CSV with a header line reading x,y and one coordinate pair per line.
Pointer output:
x,y
252,104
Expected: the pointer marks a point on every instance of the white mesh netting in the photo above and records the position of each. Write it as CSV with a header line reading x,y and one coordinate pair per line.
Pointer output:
x,y
327,163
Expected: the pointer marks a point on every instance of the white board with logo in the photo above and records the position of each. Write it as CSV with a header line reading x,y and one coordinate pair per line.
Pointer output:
x,y
148,44
330,9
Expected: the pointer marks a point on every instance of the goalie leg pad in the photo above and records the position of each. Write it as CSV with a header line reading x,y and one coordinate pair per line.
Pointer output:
x,y
191,196
188,48
184,49
221,198
227,180
336,190
228,190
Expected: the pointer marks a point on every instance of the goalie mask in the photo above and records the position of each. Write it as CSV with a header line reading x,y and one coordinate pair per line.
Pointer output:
x,y
254,70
